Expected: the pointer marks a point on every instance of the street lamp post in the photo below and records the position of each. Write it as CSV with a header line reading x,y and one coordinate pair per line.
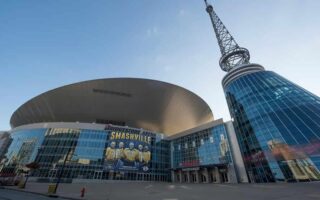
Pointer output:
x,y
62,169
40,151
32,166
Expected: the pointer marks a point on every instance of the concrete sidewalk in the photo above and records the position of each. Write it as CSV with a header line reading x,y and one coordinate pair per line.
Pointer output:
x,y
65,191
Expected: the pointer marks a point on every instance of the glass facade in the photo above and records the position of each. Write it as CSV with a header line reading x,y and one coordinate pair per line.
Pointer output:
x,y
203,148
23,150
82,153
5,141
278,127
118,153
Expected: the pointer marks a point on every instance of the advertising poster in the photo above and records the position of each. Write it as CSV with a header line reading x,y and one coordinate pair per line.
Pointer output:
x,y
128,151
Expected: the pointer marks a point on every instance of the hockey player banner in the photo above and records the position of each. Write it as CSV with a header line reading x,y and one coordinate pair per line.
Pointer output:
x,y
128,151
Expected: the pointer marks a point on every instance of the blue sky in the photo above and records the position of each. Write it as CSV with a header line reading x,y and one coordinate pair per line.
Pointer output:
x,y
45,44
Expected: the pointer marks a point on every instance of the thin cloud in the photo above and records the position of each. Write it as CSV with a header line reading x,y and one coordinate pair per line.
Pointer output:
x,y
152,31
182,12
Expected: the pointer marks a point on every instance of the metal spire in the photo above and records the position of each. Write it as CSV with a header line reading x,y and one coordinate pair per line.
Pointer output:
x,y
232,54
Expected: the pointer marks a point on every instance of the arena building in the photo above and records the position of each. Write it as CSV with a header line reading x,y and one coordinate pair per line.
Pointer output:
x,y
122,129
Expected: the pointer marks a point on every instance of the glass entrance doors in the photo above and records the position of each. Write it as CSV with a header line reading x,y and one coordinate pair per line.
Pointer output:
x,y
98,174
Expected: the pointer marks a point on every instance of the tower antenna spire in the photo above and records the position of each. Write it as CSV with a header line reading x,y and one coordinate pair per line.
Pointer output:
x,y
232,55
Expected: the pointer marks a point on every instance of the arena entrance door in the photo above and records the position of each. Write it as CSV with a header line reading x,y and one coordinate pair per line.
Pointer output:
x,y
98,174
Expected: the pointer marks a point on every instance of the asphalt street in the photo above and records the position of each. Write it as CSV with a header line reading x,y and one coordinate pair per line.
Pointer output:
x,y
171,191
16,195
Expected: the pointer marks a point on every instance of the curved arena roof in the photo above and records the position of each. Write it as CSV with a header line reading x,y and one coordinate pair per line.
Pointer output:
x,y
140,103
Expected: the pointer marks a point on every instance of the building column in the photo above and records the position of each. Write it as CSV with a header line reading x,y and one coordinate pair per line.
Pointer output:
x,y
206,174
232,176
110,175
217,174
188,175
180,176
173,176
197,176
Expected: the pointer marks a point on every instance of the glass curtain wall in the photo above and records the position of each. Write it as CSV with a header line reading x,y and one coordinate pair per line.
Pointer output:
x,y
206,147
86,154
278,127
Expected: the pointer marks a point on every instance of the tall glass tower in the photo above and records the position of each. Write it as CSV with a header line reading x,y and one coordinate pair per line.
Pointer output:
x,y
276,121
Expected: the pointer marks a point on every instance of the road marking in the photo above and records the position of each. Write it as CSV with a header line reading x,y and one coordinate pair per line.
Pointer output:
x,y
172,186
147,187
185,187
221,185
267,186
171,199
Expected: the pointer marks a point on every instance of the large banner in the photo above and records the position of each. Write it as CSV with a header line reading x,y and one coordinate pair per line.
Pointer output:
x,y
128,151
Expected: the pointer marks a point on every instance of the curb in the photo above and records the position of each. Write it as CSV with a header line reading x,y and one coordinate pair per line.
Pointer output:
x,y
42,194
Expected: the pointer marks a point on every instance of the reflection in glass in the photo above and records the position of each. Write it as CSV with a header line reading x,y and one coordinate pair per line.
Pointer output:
x,y
278,127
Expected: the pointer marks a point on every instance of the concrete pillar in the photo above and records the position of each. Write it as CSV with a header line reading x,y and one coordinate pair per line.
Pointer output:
x,y
206,174
217,174
212,175
173,176
110,175
238,164
197,176
180,176
232,176
188,175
